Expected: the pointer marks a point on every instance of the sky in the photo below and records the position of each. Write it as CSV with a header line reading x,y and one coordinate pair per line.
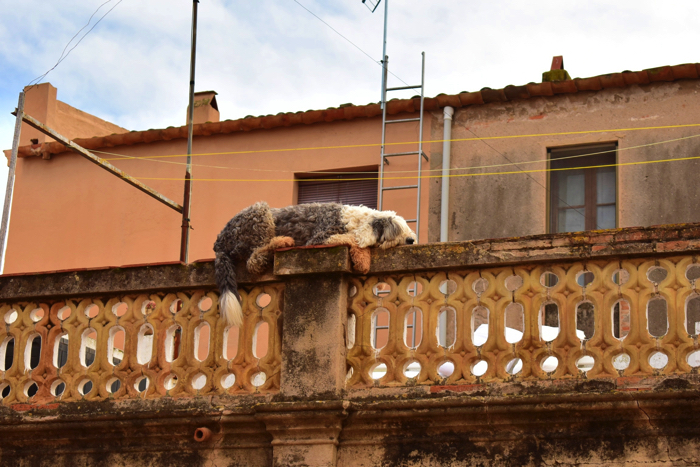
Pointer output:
x,y
270,56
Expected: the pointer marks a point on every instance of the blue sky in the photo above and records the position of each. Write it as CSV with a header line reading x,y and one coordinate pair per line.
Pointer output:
x,y
270,56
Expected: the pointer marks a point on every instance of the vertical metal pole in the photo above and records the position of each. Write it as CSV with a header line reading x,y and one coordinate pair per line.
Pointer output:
x,y
381,162
384,63
11,179
185,239
420,144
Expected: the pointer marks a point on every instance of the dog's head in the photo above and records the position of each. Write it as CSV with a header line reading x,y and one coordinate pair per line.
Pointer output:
x,y
391,230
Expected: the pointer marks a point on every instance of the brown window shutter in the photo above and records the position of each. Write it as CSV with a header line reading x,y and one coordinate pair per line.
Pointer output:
x,y
341,190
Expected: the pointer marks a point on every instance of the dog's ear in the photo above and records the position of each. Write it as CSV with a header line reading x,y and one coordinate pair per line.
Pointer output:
x,y
385,229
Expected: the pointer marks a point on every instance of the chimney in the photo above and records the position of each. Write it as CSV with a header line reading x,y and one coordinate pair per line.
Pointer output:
x,y
557,73
205,107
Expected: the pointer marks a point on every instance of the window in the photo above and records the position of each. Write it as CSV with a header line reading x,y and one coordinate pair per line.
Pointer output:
x,y
354,189
583,199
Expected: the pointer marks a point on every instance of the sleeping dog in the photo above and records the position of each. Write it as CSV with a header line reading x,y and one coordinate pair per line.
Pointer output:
x,y
254,233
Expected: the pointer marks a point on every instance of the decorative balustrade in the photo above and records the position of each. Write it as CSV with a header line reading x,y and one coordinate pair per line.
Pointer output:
x,y
145,345
588,319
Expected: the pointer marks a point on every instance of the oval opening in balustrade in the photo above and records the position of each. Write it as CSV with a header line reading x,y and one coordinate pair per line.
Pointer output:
x,y
480,286
414,289
173,343
657,317
201,341
115,345
120,309
692,315
144,345
88,345
92,311
378,371
199,381
656,274
350,372
11,316
693,272
549,279
585,320
585,363
584,278
60,350
4,390
350,331
549,321
446,369
447,287
262,300
382,289
621,319
352,291
260,339
84,387
32,352
413,328
58,387
621,361
694,359
514,366
480,325
205,304
113,385
480,367
7,353
620,277
36,315
176,306
30,389
513,282
658,360
258,379
64,313
411,369
170,382
228,380
231,342
550,364
515,323
380,328
447,327
142,384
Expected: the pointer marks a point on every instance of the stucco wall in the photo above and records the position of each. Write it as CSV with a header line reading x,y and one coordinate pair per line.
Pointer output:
x,y
493,206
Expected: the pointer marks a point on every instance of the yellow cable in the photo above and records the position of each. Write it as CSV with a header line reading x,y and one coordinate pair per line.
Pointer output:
x,y
350,146
422,176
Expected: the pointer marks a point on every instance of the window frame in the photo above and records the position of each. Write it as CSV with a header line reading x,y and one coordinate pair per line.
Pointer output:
x,y
590,205
371,172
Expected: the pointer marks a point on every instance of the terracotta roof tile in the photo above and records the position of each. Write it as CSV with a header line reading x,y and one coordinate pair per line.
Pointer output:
x,y
349,111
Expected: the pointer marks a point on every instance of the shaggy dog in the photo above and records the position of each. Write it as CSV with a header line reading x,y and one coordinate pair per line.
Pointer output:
x,y
254,233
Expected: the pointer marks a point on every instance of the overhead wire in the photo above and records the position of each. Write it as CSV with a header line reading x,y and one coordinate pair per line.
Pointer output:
x,y
64,55
378,62
368,145
619,164
335,172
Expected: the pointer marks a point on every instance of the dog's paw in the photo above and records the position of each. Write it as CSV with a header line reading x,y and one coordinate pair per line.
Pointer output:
x,y
282,242
361,259
257,263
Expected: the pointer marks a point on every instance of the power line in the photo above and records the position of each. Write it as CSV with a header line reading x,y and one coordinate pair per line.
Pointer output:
x,y
351,42
454,140
334,172
65,54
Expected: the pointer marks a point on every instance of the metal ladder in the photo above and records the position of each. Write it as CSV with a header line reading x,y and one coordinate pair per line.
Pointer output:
x,y
419,153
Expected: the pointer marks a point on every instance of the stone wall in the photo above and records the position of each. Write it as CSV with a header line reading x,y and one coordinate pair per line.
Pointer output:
x,y
570,349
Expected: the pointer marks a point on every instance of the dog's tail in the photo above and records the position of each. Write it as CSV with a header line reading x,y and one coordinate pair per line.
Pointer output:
x,y
229,298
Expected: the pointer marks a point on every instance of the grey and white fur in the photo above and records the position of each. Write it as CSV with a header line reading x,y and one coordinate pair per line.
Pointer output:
x,y
254,233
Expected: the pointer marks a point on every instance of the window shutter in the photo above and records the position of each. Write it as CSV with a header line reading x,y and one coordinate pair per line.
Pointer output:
x,y
341,190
